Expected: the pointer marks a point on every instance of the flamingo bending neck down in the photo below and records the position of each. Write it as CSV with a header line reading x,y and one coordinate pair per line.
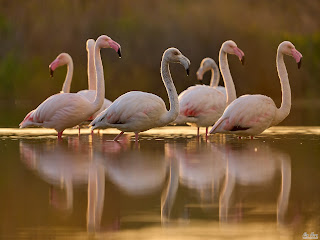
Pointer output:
x,y
250,115
202,105
137,111
65,110
65,59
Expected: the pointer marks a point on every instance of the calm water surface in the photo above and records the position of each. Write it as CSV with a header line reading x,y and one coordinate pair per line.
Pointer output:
x,y
169,186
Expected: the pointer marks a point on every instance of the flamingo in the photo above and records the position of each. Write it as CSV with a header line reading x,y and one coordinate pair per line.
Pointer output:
x,y
250,115
65,110
202,105
137,111
65,59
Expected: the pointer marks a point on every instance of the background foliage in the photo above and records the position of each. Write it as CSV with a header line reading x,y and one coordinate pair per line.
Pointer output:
x,y
34,32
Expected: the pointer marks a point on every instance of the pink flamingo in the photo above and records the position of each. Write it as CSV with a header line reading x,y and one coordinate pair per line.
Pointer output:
x,y
250,115
65,110
137,111
65,59
202,105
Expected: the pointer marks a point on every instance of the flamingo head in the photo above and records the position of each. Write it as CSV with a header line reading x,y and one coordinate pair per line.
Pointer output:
x,y
62,59
174,55
289,49
90,44
205,65
231,47
98,122
106,42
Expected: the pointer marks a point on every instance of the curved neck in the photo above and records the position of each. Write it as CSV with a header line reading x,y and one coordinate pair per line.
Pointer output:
x,y
285,107
172,114
98,100
67,81
226,75
215,76
92,84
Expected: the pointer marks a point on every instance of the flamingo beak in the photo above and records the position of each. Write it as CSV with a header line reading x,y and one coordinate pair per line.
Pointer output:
x,y
238,52
119,52
242,60
297,56
188,71
51,72
299,63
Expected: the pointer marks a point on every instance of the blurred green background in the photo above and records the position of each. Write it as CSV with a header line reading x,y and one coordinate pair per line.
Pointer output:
x,y
34,32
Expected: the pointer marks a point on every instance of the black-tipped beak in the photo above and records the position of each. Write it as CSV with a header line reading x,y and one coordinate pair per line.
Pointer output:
x,y
242,60
51,72
119,52
299,63
188,71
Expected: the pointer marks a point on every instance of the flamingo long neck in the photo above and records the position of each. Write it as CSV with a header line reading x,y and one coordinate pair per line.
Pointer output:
x,y
92,83
227,78
285,107
172,114
68,79
215,76
98,100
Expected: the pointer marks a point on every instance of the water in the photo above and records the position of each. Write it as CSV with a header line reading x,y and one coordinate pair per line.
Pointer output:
x,y
169,186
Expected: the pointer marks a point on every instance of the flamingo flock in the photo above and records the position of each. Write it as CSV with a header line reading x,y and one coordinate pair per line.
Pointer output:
x,y
136,111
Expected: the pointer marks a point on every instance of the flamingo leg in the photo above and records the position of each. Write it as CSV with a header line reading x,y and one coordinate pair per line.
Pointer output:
x,y
198,132
117,137
60,135
239,137
136,137
251,137
206,133
79,129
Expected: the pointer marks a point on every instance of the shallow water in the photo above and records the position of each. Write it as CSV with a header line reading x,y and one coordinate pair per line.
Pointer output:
x,y
169,186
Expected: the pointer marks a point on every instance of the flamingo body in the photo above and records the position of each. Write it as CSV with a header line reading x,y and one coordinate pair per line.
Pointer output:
x,y
134,111
60,111
248,115
201,105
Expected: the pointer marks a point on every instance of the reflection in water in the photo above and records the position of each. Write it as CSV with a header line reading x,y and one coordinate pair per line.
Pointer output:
x,y
205,168
254,164
131,189
65,166
197,167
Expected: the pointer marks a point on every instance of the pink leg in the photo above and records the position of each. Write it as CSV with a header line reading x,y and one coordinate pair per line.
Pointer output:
x,y
206,133
239,137
251,137
60,135
117,137
136,137
79,129
198,132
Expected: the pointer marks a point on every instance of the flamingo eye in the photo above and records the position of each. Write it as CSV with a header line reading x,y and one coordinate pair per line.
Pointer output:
x,y
175,53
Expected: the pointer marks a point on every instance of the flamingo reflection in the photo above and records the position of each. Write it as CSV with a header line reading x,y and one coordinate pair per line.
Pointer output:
x,y
253,164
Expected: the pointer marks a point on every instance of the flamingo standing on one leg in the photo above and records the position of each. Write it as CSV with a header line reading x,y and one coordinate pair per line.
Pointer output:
x,y
202,105
65,110
250,115
137,111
